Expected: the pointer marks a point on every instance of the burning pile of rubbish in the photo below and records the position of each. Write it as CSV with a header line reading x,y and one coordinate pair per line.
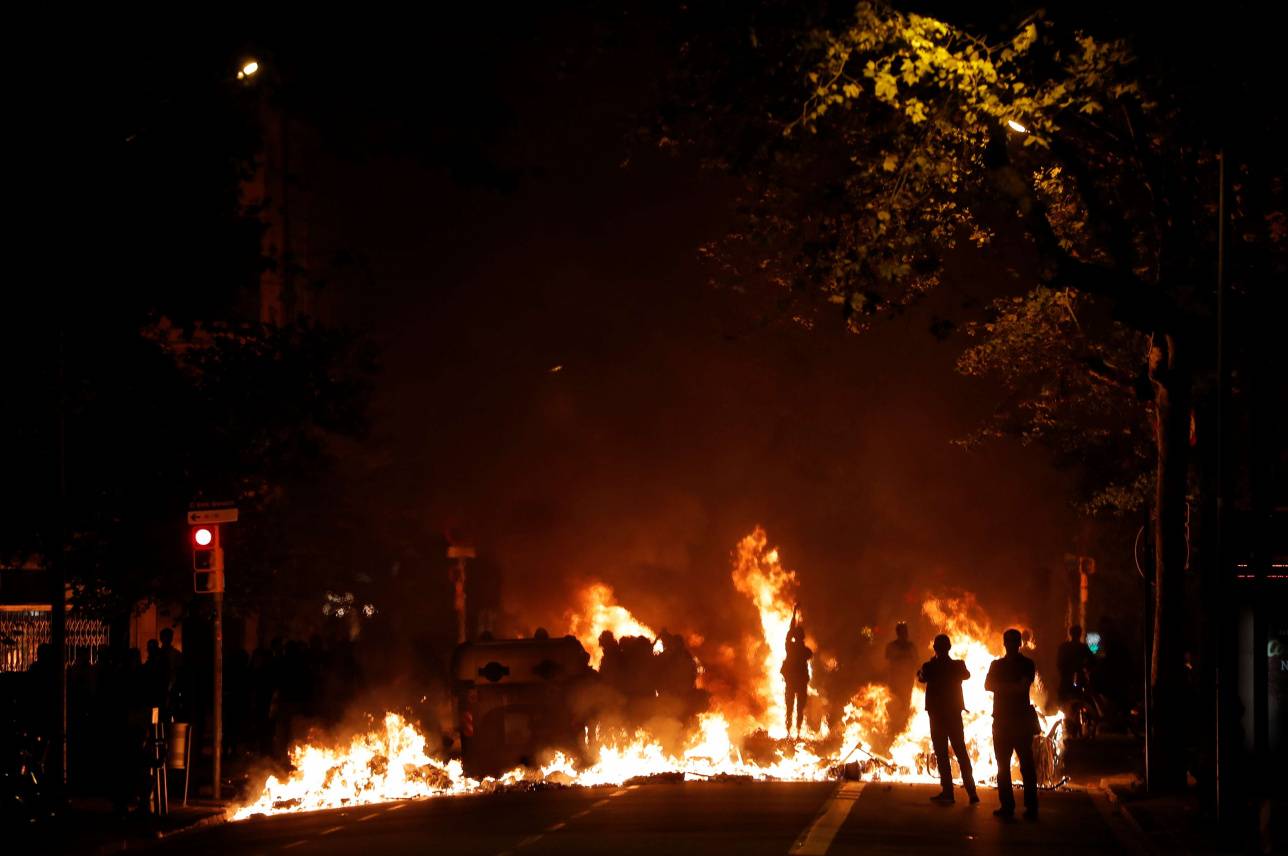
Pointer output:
x,y
710,731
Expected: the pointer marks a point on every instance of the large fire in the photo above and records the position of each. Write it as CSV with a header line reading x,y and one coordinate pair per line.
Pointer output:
x,y
390,762
600,612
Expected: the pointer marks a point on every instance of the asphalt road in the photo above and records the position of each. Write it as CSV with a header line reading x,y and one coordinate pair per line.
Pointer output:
x,y
696,817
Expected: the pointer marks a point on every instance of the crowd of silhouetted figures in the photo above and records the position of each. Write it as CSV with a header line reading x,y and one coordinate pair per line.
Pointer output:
x,y
270,695
645,683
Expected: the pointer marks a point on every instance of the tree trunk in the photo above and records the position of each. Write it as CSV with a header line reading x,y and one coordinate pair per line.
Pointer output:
x,y
1172,383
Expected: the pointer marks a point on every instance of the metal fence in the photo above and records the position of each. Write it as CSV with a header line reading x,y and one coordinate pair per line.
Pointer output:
x,y
22,634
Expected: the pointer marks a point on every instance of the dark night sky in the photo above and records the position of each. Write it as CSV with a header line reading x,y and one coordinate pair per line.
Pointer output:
x,y
488,171
678,421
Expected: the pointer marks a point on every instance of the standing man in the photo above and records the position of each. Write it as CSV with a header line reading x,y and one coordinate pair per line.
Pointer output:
x,y
943,678
901,667
1073,660
1014,724
795,673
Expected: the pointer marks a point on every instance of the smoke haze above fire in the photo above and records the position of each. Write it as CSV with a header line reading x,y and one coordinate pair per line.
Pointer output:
x,y
560,377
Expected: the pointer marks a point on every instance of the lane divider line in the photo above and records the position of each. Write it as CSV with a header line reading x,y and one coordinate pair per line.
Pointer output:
x,y
816,840
332,829
369,816
295,844
397,806
532,839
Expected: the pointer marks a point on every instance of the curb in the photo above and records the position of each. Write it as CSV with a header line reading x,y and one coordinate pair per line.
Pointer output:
x,y
209,820
1122,808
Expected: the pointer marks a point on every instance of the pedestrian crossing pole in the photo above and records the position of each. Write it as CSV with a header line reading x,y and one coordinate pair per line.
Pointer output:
x,y
219,690
208,578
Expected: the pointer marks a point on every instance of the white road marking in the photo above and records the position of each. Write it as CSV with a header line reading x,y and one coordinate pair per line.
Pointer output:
x,y
295,844
532,839
816,840
369,816
332,829
396,806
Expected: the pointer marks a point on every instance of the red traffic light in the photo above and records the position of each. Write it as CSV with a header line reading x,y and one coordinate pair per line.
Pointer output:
x,y
202,536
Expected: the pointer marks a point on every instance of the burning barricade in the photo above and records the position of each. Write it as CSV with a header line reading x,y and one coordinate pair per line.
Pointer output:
x,y
613,702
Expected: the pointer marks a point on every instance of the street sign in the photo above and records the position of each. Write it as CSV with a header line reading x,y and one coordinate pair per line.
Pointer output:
x,y
212,515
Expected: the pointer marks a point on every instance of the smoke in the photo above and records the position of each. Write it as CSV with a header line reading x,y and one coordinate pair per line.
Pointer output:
x,y
560,375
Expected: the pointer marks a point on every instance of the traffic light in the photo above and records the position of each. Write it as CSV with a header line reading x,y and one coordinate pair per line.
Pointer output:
x,y
207,560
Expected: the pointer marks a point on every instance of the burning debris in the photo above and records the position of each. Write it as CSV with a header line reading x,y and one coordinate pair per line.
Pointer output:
x,y
642,710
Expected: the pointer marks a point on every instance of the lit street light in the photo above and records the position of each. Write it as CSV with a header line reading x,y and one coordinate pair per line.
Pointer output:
x,y
1016,126
248,69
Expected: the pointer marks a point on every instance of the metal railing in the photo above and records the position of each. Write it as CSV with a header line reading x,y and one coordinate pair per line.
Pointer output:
x,y
22,634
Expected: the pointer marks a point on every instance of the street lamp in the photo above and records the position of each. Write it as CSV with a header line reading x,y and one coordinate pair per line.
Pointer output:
x,y
248,69
1016,126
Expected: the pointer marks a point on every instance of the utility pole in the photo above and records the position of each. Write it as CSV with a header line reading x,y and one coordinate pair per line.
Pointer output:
x,y
461,554
58,584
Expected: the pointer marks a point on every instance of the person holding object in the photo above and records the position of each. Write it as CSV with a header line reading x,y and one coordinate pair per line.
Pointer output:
x,y
943,677
1015,722
795,672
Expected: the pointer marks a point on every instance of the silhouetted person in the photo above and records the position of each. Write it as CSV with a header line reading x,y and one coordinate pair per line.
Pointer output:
x,y
170,661
943,678
901,668
1113,670
610,663
1073,659
1014,724
795,673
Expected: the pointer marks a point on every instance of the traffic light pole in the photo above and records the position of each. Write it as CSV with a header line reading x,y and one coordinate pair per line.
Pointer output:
x,y
219,690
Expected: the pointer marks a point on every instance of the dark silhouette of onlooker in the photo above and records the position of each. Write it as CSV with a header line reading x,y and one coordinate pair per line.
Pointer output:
x,y
1113,673
795,671
943,677
169,665
1015,722
610,663
901,668
1073,660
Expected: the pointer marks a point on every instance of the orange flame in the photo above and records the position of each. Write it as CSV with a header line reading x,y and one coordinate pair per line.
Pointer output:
x,y
758,574
599,612
389,762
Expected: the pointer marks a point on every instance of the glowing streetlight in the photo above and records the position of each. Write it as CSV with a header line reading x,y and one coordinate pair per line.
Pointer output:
x,y
1016,126
248,69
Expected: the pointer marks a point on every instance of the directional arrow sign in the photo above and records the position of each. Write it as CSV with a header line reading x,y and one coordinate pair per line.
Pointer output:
x,y
212,515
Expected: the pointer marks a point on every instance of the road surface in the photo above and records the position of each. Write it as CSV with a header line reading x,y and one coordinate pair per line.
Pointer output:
x,y
695,817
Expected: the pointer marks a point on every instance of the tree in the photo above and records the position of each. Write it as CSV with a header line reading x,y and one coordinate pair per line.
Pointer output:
x,y
157,419
1078,155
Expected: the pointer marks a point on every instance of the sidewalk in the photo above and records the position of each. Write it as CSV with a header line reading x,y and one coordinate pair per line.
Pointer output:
x,y
90,828
1176,823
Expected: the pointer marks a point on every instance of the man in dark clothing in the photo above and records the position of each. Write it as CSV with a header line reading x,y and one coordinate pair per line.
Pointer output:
x,y
1014,724
1073,660
901,661
943,678
795,673
171,663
